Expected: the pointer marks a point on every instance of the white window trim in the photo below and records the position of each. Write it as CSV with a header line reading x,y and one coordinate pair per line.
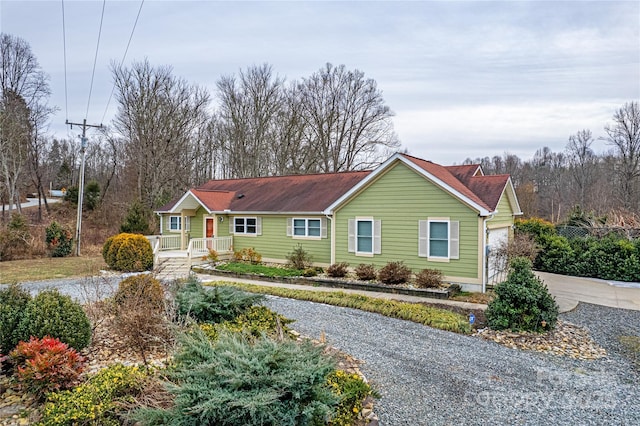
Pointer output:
x,y
376,235
187,223
439,258
245,233
291,228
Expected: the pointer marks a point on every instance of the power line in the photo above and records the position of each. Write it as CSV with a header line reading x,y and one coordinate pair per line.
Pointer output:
x,y
95,60
64,53
123,58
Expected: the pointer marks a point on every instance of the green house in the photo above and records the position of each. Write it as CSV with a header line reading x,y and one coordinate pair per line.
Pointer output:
x,y
427,215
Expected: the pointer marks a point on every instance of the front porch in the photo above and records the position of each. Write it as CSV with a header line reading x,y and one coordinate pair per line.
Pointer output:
x,y
168,255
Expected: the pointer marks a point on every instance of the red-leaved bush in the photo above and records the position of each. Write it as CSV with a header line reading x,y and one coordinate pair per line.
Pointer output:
x,y
46,365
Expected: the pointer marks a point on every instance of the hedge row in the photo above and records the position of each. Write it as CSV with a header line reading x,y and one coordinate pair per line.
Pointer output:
x,y
610,258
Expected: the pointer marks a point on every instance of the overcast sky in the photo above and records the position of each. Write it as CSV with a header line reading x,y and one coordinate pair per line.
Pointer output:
x,y
464,79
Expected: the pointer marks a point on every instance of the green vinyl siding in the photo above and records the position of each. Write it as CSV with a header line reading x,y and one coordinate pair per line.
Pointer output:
x,y
274,242
504,216
399,199
197,223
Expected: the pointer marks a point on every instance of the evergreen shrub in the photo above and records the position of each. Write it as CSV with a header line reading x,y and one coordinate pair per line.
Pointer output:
x,y
59,240
236,381
13,302
255,322
53,314
96,402
212,305
128,253
46,365
136,221
522,302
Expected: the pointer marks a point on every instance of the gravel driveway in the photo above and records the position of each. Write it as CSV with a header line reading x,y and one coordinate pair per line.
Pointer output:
x,y
432,377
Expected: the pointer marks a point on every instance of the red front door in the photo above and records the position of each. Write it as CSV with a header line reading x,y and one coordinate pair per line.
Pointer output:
x,y
209,231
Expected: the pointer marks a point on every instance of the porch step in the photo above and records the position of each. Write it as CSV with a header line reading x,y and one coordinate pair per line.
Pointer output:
x,y
169,268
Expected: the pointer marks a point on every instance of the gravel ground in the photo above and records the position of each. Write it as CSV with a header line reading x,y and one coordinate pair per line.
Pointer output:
x,y
431,377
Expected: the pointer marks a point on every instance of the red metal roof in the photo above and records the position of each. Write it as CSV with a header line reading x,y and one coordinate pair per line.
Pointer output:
x,y
314,193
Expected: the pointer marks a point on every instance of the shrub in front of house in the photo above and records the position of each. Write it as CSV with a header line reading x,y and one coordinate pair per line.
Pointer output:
x,y
255,322
338,270
239,381
140,287
429,278
366,272
13,302
97,401
299,258
59,240
216,305
46,365
53,314
140,315
522,302
128,253
249,255
394,273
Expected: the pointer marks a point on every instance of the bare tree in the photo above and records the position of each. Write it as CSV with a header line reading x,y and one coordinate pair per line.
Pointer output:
x,y
250,109
581,160
346,119
24,90
159,117
624,136
15,132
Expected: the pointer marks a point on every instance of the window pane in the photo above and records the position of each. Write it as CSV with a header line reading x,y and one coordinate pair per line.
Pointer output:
x,y
365,228
438,230
239,225
439,239
251,221
314,227
439,248
364,236
251,229
365,244
299,227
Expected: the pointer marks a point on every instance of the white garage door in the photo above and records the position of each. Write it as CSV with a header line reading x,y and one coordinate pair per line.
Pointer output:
x,y
497,268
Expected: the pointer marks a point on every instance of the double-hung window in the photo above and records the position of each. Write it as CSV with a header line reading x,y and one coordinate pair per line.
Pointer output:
x,y
175,223
245,225
439,239
306,227
365,236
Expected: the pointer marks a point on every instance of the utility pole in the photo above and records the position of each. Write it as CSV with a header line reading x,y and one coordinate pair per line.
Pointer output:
x,y
83,149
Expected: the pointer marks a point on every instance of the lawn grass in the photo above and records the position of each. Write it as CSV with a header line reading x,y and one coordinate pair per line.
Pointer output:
x,y
421,314
49,268
267,271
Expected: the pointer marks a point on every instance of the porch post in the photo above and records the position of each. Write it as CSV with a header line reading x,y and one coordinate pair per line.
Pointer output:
x,y
183,246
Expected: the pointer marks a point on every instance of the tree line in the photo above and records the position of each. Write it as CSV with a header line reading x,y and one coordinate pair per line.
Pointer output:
x,y
551,185
169,135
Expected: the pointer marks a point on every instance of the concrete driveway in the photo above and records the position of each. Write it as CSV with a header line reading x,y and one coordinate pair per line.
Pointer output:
x,y
568,291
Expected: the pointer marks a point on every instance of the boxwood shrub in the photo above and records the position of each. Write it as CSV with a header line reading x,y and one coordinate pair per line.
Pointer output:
x,y
128,253
522,302
53,314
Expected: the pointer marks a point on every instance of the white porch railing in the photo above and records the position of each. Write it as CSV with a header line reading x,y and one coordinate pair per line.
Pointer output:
x,y
199,247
